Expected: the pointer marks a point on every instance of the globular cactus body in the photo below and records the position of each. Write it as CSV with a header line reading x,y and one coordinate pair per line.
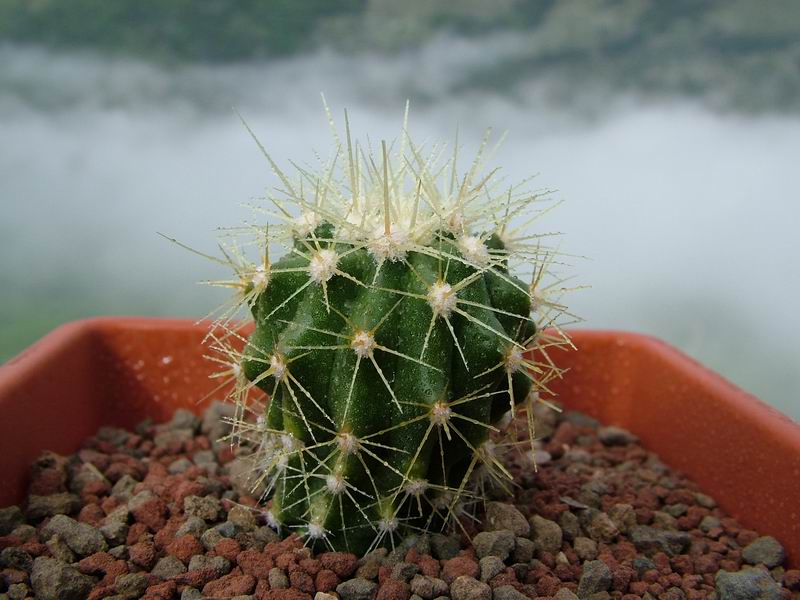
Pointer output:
x,y
391,340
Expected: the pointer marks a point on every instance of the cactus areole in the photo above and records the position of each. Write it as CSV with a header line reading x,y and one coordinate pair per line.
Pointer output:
x,y
393,341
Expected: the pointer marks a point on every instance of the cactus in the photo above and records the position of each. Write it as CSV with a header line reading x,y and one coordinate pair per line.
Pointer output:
x,y
392,341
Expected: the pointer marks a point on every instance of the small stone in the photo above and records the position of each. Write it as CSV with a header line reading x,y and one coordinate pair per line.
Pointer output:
x,y
599,526
203,507
766,551
523,550
192,526
494,543
180,465
570,526
650,541
580,419
428,587
324,596
131,584
40,507
18,591
59,549
211,538
191,594
585,548
616,436
123,488
704,500
181,419
444,547
676,510
230,586
490,566
10,519
500,515
565,594
623,516
547,535
404,571
709,522
16,558
641,564
596,577
115,532
81,538
664,520
52,579
277,579
243,518
469,588
507,592
167,567
750,584
356,589
25,532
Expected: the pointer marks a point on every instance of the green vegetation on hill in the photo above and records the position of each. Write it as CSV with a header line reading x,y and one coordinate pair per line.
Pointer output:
x,y
204,30
737,53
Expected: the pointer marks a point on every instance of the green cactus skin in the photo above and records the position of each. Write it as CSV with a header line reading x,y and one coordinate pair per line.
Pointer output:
x,y
391,341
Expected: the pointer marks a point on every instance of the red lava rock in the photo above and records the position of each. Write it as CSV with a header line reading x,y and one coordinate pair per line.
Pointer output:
x,y
96,563
101,591
230,585
458,566
682,564
302,581
165,536
429,566
253,562
706,564
6,541
34,548
621,577
384,573
310,566
227,548
97,487
288,594
392,589
284,560
548,585
135,532
48,481
507,577
197,578
326,580
185,489
343,564
638,587
118,567
161,591
152,513
92,514
185,547
143,554
791,579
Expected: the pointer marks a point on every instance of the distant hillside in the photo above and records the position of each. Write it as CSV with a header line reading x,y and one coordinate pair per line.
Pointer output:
x,y
738,53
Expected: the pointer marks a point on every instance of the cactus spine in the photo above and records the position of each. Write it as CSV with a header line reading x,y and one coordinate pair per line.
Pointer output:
x,y
391,339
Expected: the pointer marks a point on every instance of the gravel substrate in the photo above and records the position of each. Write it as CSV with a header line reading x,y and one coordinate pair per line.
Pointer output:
x,y
159,514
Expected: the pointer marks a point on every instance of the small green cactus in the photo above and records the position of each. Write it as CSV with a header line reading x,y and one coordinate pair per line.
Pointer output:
x,y
392,341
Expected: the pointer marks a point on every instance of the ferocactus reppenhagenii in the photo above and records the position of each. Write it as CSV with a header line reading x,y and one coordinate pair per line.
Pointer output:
x,y
399,351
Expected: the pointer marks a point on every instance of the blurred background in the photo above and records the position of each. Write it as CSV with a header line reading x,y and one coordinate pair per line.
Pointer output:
x,y
670,129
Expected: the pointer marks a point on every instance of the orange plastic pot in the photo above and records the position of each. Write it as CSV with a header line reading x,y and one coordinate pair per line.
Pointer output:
x,y
117,371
